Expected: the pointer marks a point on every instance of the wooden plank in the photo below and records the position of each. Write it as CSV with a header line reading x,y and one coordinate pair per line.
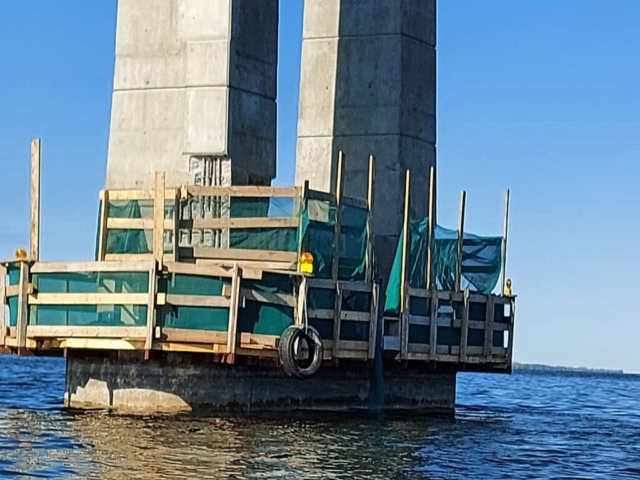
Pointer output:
x,y
503,266
418,292
391,342
373,321
239,254
192,347
245,191
335,264
419,320
41,331
321,196
158,217
151,308
477,298
34,255
512,318
88,298
197,301
14,290
128,195
128,257
347,316
4,321
269,298
246,223
176,226
464,328
254,270
102,225
251,340
232,339
354,202
23,306
488,332
404,333
198,270
433,332
101,344
91,267
177,335
463,210
325,314
405,242
136,224
347,286
347,345
337,320
370,230
432,225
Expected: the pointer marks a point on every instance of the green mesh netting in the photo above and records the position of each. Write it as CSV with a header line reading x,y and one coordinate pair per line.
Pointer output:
x,y
90,315
481,262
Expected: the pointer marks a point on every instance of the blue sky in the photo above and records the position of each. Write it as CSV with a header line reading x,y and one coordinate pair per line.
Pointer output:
x,y
540,96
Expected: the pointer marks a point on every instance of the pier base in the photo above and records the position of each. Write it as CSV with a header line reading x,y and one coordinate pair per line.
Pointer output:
x,y
179,383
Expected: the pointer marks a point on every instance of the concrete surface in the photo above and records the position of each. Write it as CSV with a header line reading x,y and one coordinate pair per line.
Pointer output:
x,y
193,78
369,87
184,383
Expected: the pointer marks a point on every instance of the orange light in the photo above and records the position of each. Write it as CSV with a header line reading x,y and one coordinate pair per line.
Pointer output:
x,y
507,290
21,254
306,263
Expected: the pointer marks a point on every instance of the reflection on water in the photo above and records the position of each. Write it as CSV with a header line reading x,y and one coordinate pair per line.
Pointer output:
x,y
525,426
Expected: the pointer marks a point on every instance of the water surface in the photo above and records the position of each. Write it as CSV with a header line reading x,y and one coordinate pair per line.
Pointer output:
x,y
523,426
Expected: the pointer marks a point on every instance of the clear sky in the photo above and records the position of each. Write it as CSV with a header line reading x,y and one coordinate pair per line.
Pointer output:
x,y
540,96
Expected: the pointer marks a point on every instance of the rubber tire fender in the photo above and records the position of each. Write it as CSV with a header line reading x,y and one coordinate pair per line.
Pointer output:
x,y
286,351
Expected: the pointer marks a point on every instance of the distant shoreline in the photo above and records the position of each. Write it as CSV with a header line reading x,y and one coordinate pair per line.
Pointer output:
x,y
530,367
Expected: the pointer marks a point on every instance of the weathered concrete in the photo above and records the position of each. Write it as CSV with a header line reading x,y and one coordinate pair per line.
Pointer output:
x,y
369,87
181,383
194,78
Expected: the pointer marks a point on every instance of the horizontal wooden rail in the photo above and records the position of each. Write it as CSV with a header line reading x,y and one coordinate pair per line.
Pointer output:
x,y
42,331
345,315
128,195
205,301
239,254
135,224
245,191
346,286
232,223
269,298
89,299
93,267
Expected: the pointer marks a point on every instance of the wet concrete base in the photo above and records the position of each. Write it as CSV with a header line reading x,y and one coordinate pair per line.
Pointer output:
x,y
179,383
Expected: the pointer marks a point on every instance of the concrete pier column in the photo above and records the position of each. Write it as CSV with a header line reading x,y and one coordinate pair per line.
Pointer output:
x,y
194,79
369,87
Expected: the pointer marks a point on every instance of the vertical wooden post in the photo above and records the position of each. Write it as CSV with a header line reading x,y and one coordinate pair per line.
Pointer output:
x,y
488,328
35,201
433,326
406,242
234,305
512,321
301,305
337,320
102,226
177,214
158,218
503,274
432,227
370,233
373,323
3,304
464,332
151,310
335,266
23,307
463,209
304,199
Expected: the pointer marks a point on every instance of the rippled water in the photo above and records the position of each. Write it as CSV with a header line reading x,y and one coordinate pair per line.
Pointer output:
x,y
523,426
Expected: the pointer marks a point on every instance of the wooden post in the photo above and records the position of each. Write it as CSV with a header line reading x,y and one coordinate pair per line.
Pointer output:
x,y
337,320
335,266
158,218
373,323
464,333
23,307
176,225
370,233
304,199
232,332
102,226
433,330
488,328
406,242
3,304
432,227
151,311
463,209
35,201
301,305
512,321
504,241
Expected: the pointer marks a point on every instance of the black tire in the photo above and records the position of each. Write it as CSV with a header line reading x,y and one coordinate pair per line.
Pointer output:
x,y
287,351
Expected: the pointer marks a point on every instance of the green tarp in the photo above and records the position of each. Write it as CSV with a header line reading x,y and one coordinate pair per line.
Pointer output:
x,y
481,262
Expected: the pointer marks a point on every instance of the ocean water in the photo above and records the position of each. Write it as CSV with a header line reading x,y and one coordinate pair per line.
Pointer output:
x,y
573,426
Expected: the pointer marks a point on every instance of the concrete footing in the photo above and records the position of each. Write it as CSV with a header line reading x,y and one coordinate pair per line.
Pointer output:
x,y
181,383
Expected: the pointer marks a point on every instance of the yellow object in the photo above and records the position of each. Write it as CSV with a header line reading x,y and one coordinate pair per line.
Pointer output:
x,y
21,254
507,290
306,263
